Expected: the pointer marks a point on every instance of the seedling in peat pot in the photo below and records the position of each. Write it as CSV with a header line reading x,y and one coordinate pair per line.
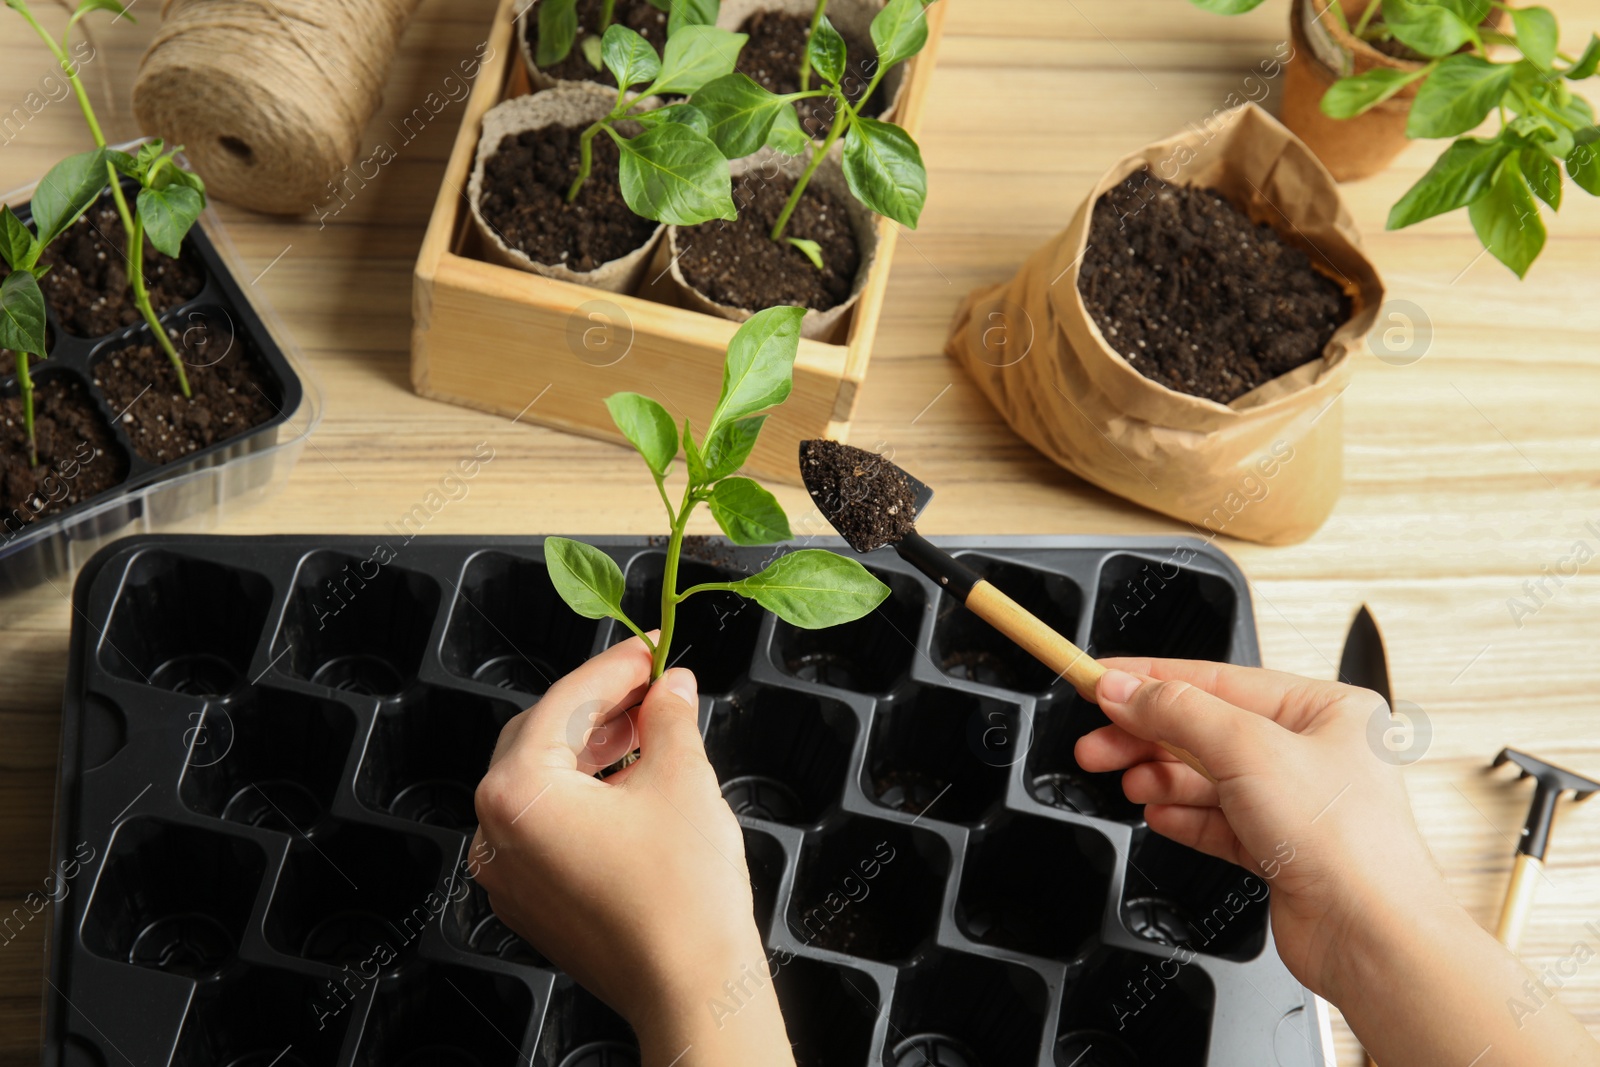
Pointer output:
x,y
809,588
671,171
558,26
170,198
1542,122
882,163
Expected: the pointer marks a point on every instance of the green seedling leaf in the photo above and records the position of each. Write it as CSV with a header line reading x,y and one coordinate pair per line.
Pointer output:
x,y
1506,219
674,175
586,578
594,51
88,6
1583,162
1349,97
813,588
683,114
1587,62
883,167
727,448
787,135
759,371
66,192
826,50
1544,176
1537,35
741,113
694,56
22,325
149,152
628,56
168,215
126,165
1458,96
900,31
1429,28
648,428
692,457
558,28
1457,178
176,175
17,244
1228,7
812,250
747,513
681,13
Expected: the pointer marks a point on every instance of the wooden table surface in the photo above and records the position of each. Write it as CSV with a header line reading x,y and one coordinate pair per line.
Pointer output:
x,y
1468,472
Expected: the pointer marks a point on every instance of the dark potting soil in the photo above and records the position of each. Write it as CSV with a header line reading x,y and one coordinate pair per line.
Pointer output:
x,y
737,262
525,200
864,496
771,59
638,15
87,285
1196,296
78,454
229,394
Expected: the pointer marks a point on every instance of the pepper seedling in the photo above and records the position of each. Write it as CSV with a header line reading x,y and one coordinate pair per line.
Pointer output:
x,y
170,198
1542,122
558,26
66,192
882,163
809,588
671,171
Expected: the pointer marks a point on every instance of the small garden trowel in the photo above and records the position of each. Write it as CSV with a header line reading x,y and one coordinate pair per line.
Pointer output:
x,y
874,504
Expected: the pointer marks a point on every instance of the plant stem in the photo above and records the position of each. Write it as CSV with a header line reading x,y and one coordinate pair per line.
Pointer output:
x,y
25,387
805,53
1540,105
669,586
1367,16
585,158
841,119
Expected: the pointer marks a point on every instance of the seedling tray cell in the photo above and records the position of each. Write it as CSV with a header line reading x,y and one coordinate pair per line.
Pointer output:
x,y
271,744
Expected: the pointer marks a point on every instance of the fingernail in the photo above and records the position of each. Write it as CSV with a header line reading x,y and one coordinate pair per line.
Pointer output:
x,y
1118,686
680,682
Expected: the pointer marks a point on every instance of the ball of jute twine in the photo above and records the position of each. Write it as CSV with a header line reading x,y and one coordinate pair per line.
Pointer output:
x,y
268,97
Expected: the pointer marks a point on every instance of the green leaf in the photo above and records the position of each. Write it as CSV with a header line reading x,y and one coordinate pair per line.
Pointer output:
x,y
67,191
811,249
787,135
558,28
168,214
683,114
674,175
17,245
698,474
1586,64
647,426
1583,162
759,370
1537,35
1227,7
1543,175
740,112
1458,96
728,447
587,579
813,588
22,324
1349,97
900,30
694,56
594,51
883,167
1506,219
1457,178
1429,28
747,513
176,175
826,50
683,13
124,163
628,56
87,6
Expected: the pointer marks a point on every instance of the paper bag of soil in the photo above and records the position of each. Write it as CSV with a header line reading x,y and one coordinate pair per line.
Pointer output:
x,y
1268,465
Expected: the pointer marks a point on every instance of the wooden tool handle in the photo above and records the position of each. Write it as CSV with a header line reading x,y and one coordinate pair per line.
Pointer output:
x,y
1043,643
1519,900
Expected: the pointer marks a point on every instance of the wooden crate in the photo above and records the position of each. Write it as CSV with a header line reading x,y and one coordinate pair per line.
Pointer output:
x,y
517,344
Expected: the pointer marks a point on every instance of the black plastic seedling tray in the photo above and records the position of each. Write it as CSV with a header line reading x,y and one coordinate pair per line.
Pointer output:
x,y
270,747
43,549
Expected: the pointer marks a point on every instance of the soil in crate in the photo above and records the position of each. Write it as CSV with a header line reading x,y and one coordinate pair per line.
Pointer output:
x,y
78,456
737,263
771,58
1197,297
638,15
525,200
87,286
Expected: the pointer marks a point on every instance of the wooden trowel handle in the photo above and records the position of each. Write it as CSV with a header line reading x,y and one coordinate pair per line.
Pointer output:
x,y
1050,648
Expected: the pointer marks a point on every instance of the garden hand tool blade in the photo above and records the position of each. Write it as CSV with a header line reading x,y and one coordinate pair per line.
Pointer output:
x,y
874,504
1365,662
1551,781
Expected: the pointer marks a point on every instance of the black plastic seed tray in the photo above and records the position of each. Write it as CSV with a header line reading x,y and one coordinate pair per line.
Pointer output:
x,y
271,745
228,321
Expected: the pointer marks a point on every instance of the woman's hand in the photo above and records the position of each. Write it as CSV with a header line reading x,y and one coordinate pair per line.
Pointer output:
x,y
635,885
